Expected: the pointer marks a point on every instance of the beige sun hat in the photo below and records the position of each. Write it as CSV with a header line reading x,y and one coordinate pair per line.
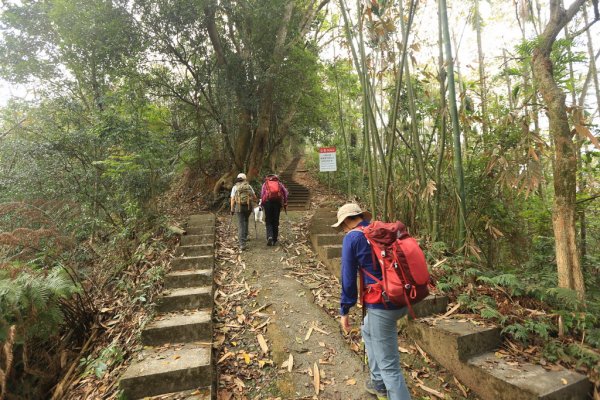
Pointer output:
x,y
241,175
350,210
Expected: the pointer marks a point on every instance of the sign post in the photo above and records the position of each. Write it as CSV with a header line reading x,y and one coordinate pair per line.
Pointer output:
x,y
327,161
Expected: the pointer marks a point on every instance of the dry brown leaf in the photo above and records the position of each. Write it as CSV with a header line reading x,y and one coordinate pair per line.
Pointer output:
x,y
310,330
225,357
263,343
431,391
316,379
461,387
351,382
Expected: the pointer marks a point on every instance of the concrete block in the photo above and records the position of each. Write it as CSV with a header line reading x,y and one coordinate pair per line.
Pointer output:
x,y
331,251
430,305
166,370
321,228
455,340
527,381
201,219
178,328
195,251
328,239
185,263
185,299
200,229
190,240
189,278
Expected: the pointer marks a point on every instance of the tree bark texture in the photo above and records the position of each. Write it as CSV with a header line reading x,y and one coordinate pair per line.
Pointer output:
x,y
565,158
261,137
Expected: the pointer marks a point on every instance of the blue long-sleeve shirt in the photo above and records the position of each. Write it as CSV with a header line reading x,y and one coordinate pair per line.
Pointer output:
x,y
356,252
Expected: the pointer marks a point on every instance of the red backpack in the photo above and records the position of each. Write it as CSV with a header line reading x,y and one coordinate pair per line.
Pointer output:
x,y
272,189
405,278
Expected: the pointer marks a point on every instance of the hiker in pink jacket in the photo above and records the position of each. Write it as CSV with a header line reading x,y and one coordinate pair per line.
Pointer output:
x,y
273,196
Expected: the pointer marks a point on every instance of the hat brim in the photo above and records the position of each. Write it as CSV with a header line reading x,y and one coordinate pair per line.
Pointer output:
x,y
365,215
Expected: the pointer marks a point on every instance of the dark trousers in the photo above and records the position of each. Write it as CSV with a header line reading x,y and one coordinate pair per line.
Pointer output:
x,y
272,211
243,215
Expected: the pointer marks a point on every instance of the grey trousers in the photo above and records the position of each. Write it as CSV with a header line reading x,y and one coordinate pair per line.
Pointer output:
x,y
243,215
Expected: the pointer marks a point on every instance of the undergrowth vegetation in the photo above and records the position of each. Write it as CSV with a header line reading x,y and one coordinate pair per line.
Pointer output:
x,y
547,323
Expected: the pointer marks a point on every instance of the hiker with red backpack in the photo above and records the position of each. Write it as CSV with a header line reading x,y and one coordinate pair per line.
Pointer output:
x,y
392,274
273,196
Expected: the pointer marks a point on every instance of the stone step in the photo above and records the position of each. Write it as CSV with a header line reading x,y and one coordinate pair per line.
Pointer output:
x,y
467,350
178,328
431,305
204,219
185,299
457,339
188,240
331,251
188,278
500,379
195,251
328,239
200,229
160,370
194,394
321,228
186,263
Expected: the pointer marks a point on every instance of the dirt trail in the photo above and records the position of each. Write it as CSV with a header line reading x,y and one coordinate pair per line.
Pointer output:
x,y
296,325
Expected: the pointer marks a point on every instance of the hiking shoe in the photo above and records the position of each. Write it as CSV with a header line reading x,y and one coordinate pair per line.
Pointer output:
x,y
377,390
270,242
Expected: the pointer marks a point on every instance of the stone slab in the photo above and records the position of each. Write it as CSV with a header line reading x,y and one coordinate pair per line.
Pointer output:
x,y
167,370
331,251
185,263
328,239
204,219
189,240
178,328
185,299
430,305
189,278
200,229
195,251
528,381
456,340
194,394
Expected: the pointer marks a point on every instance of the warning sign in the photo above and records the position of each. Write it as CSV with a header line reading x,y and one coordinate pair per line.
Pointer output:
x,y
327,160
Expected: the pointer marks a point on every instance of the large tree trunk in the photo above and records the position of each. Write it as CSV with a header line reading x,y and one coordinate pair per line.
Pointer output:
x,y
565,160
261,137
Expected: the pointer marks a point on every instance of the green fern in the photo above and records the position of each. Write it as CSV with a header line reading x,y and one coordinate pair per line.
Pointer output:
x,y
540,328
31,301
517,331
564,298
490,313
509,281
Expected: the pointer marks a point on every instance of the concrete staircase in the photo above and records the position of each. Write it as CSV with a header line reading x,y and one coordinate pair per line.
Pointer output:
x,y
466,349
177,355
299,195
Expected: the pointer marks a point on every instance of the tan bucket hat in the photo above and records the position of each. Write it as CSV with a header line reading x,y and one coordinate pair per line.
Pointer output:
x,y
241,175
350,210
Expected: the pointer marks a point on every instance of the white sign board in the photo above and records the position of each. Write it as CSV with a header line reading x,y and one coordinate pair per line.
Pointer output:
x,y
327,161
